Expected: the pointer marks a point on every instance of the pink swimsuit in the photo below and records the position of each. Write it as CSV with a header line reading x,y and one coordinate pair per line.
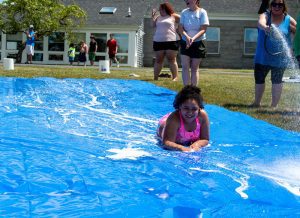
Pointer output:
x,y
183,136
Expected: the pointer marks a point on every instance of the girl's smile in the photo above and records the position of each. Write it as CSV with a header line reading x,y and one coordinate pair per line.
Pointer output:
x,y
189,110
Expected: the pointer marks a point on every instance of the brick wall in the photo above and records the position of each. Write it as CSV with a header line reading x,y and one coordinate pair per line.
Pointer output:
x,y
231,45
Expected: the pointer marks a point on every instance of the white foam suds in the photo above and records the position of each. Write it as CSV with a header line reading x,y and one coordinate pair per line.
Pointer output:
x,y
127,153
56,194
123,117
38,100
163,196
242,179
94,101
203,170
285,173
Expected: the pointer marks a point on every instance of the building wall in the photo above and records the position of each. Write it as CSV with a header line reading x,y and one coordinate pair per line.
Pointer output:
x,y
134,49
231,45
148,39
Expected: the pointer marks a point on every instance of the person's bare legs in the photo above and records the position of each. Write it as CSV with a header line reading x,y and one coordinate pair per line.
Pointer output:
x,y
195,62
29,58
276,94
158,64
116,61
185,64
259,92
171,56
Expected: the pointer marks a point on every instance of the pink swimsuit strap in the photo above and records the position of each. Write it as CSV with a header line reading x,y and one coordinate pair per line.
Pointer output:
x,y
185,136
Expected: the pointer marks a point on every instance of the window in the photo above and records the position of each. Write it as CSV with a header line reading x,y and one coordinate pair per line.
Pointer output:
x,y
39,44
37,56
13,41
107,10
78,37
250,39
56,46
56,57
122,40
11,45
213,40
101,39
38,49
100,58
122,59
56,42
0,40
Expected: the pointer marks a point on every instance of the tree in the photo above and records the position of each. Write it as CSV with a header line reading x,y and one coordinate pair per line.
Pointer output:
x,y
47,16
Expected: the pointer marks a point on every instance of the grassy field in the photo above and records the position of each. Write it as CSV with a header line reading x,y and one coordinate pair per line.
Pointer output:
x,y
232,89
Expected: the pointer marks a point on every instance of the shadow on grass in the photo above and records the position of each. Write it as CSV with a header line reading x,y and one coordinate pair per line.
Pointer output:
x,y
280,112
243,106
266,110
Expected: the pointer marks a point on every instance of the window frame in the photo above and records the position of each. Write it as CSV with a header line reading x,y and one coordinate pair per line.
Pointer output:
x,y
245,40
218,40
57,53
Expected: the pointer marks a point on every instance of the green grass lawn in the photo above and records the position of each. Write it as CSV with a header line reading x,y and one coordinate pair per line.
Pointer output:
x,y
232,89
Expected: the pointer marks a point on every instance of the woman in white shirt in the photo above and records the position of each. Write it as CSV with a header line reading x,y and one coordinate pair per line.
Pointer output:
x,y
165,40
192,27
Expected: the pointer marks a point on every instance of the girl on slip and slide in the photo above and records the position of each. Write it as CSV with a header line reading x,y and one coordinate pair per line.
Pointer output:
x,y
187,128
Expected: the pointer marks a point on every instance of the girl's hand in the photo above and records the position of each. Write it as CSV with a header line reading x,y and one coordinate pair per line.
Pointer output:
x,y
195,147
267,29
187,149
154,10
189,42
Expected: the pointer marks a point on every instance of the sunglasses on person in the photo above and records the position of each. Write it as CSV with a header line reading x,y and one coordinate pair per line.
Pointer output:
x,y
278,5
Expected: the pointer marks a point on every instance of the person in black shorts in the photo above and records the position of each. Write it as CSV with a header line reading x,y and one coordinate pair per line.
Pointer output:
x,y
192,27
92,49
165,38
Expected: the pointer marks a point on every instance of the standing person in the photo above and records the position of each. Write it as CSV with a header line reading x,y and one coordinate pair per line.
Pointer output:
x,y
30,34
192,28
297,41
264,61
165,39
112,50
93,49
187,128
71,53
83,50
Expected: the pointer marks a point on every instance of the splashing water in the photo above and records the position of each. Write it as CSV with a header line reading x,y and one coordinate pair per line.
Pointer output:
x,y
286,49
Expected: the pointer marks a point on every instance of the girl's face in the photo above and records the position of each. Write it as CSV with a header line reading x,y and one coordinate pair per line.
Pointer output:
x,y
190,3
189,110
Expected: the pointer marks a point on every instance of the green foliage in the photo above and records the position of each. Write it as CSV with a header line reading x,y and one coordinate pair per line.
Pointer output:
x,y
47,16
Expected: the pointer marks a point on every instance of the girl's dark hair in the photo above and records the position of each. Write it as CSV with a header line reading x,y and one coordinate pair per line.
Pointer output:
x,y
264,6
71,45
186,93
167,7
